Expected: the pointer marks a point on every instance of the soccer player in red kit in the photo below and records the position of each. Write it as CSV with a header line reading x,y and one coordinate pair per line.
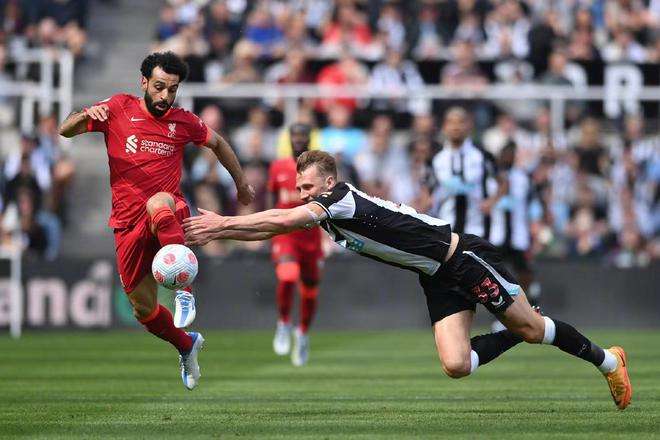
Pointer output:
x,y
145,139
297,256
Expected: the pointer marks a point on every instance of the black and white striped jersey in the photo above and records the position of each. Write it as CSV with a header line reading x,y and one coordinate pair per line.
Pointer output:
x,y
385,231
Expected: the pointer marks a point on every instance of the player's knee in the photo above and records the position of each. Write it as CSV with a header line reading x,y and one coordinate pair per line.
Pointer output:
x,y
142,311
160,200
309,290
456,368
288,271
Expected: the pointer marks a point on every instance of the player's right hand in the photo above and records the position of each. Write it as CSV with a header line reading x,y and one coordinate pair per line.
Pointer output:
x,y
98,112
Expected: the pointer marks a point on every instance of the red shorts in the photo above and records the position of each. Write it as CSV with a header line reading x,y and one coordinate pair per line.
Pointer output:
x,y
303,247
136,248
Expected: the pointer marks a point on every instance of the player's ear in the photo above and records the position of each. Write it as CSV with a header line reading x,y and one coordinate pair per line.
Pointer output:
x,y
143,83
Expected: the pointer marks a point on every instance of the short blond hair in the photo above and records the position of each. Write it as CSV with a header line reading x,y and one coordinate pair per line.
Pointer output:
x,y
325,162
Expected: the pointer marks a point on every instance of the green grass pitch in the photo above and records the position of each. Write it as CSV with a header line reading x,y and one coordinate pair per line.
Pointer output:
x,y
357,385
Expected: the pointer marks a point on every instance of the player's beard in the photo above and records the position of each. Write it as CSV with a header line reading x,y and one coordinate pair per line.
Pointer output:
x,y
151,106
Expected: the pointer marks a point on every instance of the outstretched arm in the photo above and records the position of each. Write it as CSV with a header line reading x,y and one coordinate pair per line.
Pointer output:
x,y
259,226
228,159
76,122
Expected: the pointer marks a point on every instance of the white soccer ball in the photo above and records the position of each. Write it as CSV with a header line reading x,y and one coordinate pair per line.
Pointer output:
x,y
174,266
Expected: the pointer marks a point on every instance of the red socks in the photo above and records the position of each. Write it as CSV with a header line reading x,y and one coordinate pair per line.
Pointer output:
x,y
284,294
308,301
161,324
168,229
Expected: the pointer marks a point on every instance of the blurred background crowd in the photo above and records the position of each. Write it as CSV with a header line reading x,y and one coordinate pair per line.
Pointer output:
x,y
594,185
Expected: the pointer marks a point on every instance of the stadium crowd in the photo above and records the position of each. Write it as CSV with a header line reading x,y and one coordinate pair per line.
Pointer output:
x,y
34,171
596,186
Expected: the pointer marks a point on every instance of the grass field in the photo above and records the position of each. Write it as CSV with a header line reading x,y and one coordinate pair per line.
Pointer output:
x,y
358,385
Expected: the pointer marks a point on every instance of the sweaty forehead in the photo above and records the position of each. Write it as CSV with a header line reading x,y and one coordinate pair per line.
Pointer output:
x,y
169,79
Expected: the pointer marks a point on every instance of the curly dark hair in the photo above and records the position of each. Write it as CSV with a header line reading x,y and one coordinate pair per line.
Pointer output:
x,y
168,61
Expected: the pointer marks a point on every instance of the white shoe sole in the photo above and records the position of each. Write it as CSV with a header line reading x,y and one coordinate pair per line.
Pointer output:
x,y
197,347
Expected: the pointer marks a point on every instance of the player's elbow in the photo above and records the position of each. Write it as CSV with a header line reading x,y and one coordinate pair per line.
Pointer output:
x,y
64,132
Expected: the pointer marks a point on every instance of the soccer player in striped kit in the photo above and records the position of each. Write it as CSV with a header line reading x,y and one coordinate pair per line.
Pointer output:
x,y
456,271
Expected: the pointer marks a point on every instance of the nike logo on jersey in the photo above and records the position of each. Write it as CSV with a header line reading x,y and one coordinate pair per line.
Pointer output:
x,y
134,119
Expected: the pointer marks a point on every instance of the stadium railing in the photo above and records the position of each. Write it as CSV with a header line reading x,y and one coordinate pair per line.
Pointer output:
x,y
45,91
557,96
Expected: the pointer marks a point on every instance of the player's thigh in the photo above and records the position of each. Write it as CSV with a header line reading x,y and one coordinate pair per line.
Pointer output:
x,y
135,249
144,298
521,319
452,340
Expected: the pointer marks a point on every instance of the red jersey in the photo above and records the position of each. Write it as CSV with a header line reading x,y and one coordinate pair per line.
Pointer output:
x,y
282,183
145,153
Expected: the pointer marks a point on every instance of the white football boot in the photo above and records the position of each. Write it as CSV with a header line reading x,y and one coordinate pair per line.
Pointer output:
x,y
300,353
282,339
184,309
190,373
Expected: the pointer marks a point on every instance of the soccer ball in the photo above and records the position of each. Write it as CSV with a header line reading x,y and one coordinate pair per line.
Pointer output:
x,y
174,266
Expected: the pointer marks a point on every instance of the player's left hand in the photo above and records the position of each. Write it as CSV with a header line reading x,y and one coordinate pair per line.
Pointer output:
x,y
245,193
200,228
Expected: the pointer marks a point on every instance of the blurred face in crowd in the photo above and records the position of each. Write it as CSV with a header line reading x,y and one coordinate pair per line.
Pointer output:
x,y
212,117
557,62
339,116
300,138
160,91
590,133
464,54
455,127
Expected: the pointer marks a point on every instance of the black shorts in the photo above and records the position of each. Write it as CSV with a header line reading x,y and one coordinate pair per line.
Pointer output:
x,y
474,274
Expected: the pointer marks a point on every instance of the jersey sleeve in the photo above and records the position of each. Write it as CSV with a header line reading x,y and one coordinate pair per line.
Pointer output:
x,y
199,133
102,126
338,203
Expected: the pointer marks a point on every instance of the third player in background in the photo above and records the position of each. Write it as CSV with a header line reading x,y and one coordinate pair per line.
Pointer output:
x,y
297,256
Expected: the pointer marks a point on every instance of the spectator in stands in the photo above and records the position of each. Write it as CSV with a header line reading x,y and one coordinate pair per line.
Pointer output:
x,y
346,71
54,23
62,167
37,159
293,69
463,70
469,29
542,38
6,106
262,31
427,44
507,28
592,156
587,227
218,20
391,28
167,26
623,47
393,74
381,160
350,31
297,36
540,139
562,73
424,127
256,140
505,132
339,137
21,227
412,185
242,67
305,116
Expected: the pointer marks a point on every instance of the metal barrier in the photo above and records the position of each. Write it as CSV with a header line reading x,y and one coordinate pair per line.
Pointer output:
x,y
557,96
44,92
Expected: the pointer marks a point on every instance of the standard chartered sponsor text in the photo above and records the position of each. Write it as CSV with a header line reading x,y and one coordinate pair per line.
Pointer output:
x,y
155,147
